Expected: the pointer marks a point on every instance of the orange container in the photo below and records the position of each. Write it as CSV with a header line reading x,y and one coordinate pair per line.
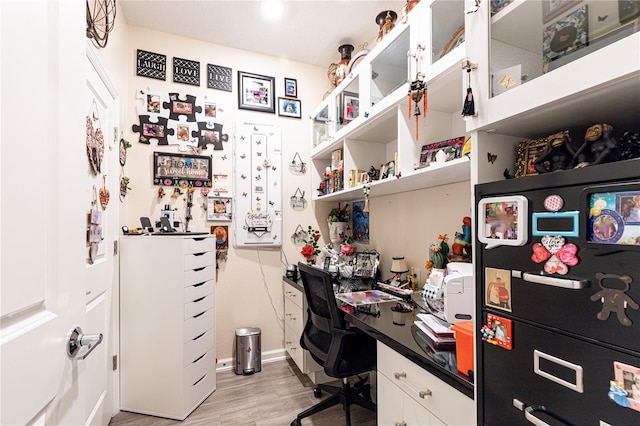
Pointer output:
x,y
464,345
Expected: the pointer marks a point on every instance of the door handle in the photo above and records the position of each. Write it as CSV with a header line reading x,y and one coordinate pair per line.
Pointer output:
x,y
529,411
80,345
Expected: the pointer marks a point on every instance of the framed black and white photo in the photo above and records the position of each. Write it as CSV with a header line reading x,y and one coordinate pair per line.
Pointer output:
x,y
289,107
255,92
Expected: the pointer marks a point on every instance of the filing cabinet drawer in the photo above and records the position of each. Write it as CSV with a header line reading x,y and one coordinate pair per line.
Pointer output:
x,y
197,392
198,290
294,295
194,349
197,306
199,368
443,401
199,276
198,324
199,260
198,245
293,316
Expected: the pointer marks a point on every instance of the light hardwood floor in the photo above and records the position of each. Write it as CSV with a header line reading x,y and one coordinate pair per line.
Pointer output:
x,y
272,397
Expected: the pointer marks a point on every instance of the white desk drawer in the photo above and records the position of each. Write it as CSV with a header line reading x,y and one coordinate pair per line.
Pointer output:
x,y
197,306
194,349
199,276
199,290
292,346
198,245
197,392
445,402
197,325
199,368
293,316
294,295
199,260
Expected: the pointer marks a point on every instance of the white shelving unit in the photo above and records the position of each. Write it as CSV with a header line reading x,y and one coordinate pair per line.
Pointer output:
x,y
384,130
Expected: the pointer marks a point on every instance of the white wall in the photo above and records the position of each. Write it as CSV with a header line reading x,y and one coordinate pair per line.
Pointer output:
x,y
249,289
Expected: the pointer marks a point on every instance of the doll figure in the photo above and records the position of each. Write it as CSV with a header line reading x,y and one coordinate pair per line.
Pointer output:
x,y
599,146
559,154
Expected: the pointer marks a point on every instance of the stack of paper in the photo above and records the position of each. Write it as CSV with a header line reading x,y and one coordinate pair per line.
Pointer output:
x,y
441,336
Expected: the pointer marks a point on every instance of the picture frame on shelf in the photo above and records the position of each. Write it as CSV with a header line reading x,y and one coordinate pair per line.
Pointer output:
x,y
350,107
553,8
219,208
628,10
288,107
528,153
290,87
366,265
440,152
565,36
256,92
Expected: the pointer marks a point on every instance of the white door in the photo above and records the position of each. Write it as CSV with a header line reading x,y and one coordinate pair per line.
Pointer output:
x,y
100,383
43,214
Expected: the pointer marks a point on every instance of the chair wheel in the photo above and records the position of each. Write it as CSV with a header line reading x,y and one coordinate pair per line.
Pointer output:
x,y
317,392
296,422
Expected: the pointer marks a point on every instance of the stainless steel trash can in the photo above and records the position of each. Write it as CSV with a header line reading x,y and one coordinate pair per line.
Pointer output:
x,y
248,352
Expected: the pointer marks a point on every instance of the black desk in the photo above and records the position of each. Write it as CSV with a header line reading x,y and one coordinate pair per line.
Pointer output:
x,y
442,364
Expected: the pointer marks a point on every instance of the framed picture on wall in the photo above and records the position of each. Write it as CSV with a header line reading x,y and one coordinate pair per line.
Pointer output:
x,y
553,8
219,208
256,92
290,87
289,108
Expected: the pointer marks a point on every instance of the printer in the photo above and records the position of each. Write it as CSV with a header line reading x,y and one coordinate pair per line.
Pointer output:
x,y
459,290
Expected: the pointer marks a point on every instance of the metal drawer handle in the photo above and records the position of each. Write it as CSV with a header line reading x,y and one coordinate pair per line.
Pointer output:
x,y
399,424
399,375
422,394
577,370
76,340
530,409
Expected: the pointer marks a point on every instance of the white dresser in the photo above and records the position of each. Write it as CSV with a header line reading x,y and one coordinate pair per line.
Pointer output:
x,y
167,323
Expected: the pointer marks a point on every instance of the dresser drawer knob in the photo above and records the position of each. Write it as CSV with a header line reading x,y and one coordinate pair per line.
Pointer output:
x,y
398,376
422,394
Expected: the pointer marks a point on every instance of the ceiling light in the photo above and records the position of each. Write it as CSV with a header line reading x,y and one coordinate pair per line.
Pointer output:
x,y
272,9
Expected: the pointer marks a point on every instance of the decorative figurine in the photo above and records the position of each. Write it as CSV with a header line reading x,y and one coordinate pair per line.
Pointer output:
x,y
599,146
461,247
374,174
345,57
386,20
559,154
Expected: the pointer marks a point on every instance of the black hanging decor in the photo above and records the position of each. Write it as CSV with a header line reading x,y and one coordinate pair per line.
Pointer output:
x,y
469,108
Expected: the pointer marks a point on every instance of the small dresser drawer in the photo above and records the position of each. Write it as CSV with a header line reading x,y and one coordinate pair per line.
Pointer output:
x,y
199,368
293,294
293,316
199,290
198,245
200,345
198,306
198,324
199,260
199,276
197,392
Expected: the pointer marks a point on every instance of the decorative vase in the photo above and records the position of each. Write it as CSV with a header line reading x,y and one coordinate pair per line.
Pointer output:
x,y
311,260
386,20
345,57
335,229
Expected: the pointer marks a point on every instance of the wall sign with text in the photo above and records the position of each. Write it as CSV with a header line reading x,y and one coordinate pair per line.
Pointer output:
x,y
152,65
219,77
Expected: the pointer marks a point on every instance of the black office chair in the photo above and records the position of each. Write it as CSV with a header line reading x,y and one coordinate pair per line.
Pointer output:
x,y
343,352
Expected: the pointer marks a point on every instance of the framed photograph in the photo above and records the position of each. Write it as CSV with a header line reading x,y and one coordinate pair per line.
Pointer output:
x,y
528,153
289,107
501,328
442,151
256,92
350,107
218,208
497,286
502,221
565,36
182,170
628,378
553,8
628,10
210,110
290,87
366,265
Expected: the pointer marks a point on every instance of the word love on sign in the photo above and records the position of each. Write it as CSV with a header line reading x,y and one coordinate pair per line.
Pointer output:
x,y
186,71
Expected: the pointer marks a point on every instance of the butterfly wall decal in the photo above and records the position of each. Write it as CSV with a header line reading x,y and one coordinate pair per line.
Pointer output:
x,y
244,194
243,156
243,176
491,158
224,157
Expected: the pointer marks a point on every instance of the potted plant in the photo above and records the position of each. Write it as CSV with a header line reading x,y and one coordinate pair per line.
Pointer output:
x,y
338,221
438,260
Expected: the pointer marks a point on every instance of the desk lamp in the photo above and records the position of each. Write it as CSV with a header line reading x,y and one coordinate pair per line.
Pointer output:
x,y
398,267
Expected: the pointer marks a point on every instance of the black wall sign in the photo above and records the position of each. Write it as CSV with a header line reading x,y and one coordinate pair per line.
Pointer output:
x,y
186,71
153,65
219,77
